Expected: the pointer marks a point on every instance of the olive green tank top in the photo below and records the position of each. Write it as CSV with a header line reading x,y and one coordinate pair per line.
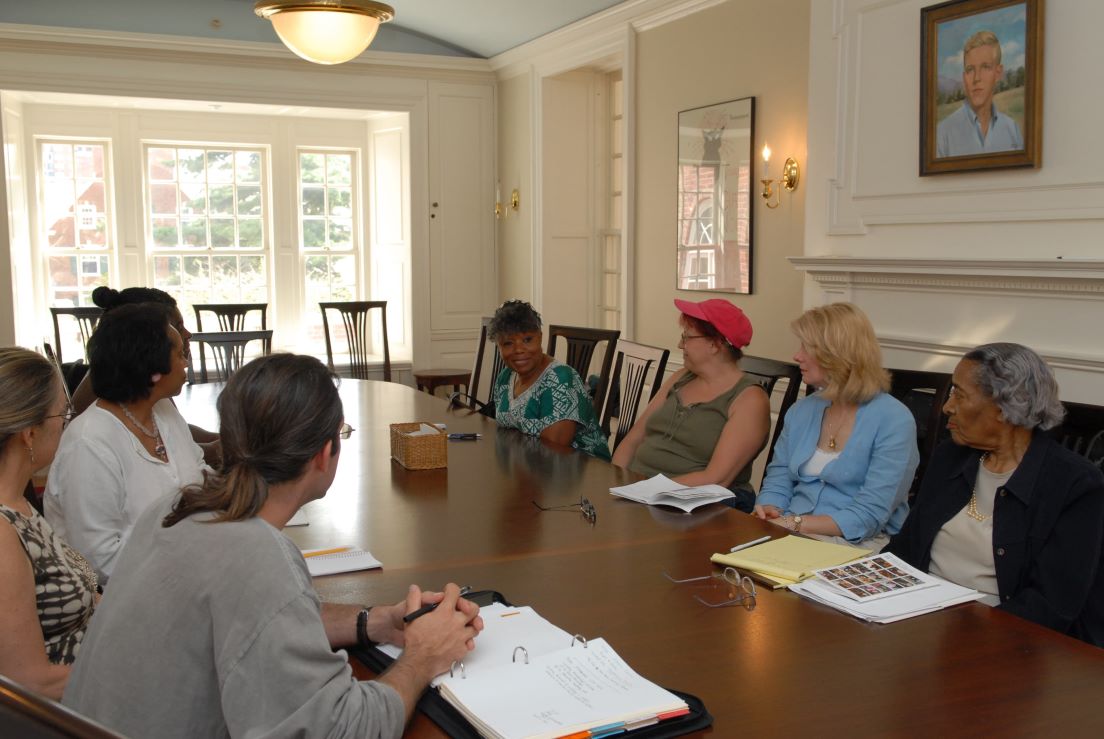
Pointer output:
x,y
680,438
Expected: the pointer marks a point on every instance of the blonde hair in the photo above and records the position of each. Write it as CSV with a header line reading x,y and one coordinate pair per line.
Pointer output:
x,y
841,339
28,387
982,38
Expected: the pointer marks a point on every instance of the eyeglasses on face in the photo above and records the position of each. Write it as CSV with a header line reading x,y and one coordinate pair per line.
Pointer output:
x,y
584,506
345,431
686,337
66,417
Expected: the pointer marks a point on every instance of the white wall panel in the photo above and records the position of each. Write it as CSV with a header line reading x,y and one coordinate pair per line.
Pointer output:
x,y
945,262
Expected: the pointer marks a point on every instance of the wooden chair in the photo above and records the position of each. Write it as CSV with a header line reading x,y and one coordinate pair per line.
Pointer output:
x,y
1082,431
230,316
86,316
768,372
488,365
924,393
28,715
637,375
354,316
227,353
581,343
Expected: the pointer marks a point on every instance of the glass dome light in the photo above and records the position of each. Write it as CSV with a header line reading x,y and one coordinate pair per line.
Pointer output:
x,y
325,31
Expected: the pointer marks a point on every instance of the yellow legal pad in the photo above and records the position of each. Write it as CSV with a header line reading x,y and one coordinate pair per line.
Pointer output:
x,y
790,559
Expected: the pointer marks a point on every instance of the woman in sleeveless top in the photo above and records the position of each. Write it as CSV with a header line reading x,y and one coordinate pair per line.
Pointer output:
x,y
48,590
709,421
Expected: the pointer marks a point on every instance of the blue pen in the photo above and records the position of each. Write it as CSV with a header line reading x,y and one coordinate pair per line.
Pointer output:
x,y
465,437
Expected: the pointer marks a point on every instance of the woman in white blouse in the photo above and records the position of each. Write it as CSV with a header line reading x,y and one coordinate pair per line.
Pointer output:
x,y
131,447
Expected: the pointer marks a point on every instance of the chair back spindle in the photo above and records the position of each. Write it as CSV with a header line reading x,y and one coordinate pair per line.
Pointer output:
x,y
356,322
637,375
581,343
86,317
227,353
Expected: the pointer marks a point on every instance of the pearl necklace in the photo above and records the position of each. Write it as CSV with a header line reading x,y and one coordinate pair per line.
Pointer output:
x,y
159,445
971,508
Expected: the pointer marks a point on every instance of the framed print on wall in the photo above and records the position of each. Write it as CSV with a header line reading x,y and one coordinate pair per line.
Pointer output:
x,y
981,85
713,200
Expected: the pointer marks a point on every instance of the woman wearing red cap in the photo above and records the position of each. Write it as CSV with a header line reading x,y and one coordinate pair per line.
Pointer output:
x,y
709,421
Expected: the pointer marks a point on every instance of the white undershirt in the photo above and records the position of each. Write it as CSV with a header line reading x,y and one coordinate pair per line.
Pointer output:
x,y
816,463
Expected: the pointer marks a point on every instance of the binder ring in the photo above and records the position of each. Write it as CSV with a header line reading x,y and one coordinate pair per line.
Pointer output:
x,y
524,653
452,667
579,637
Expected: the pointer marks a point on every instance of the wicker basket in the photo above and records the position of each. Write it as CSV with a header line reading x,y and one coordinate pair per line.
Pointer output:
x,y
426,452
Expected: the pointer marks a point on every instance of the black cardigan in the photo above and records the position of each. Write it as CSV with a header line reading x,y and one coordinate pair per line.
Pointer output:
x,y
1048,532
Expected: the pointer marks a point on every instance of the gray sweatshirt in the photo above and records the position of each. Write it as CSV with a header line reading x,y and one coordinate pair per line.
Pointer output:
x,y
214,629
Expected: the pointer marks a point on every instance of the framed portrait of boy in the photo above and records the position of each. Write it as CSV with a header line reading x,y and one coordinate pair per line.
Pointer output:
x,y
981,85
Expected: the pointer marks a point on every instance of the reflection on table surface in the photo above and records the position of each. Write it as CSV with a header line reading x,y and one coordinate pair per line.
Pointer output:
x,y
789,666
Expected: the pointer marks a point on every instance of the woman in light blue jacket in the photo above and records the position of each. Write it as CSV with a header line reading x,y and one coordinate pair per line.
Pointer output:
x,y
846,457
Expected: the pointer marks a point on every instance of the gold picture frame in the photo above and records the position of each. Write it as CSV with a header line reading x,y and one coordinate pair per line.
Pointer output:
x,y
981,85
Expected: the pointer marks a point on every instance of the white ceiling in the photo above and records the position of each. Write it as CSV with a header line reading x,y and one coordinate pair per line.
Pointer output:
x,y
477,28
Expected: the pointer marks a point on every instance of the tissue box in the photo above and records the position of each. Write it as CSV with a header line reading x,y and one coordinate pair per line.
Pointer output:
x,y
419,451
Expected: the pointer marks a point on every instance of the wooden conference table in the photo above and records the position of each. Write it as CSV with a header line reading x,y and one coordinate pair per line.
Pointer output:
x,y
788,667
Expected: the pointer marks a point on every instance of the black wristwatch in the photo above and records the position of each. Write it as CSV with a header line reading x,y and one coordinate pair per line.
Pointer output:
x,y
362,629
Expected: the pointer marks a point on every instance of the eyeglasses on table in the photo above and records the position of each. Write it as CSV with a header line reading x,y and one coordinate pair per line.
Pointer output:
x,y
719,590
584,506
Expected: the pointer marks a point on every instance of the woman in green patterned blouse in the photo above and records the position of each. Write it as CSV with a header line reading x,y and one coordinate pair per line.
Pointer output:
x,y
536,394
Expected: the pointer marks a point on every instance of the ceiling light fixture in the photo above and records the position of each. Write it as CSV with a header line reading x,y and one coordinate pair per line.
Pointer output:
x,y
325,31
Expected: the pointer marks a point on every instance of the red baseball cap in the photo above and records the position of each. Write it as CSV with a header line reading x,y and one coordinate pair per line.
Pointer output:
x,y
721,315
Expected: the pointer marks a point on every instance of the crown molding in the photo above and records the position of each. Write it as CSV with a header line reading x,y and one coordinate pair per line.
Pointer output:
x,y
50,39
1066,360
578,43
1030,269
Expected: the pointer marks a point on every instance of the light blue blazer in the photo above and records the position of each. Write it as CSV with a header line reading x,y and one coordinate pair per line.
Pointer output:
x,y
865,489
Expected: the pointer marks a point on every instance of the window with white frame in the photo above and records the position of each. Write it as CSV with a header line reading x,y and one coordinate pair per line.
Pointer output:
x,y
611,301
77,233
328,237
245,207
205,220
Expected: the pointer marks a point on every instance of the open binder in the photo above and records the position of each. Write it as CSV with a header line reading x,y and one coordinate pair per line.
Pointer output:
x,y
472,701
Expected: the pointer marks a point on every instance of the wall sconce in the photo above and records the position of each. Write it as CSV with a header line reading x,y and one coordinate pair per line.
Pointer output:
x,y
790,176
515,201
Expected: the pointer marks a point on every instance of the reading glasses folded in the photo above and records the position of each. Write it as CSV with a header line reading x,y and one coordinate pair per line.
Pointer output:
x,y
727,588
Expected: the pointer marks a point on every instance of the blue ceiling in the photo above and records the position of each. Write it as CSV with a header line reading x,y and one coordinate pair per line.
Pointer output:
x,y
471,28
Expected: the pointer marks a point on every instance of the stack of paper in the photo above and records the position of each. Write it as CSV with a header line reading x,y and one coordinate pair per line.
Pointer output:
x,y
790,559
333,560
882,589
661,490
552,687
504,629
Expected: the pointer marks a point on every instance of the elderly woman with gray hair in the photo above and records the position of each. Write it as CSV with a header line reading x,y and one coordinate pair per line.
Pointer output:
x,y
1005,508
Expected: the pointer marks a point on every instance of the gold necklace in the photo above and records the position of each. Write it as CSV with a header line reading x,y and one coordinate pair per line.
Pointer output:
x,y
971,508
832,432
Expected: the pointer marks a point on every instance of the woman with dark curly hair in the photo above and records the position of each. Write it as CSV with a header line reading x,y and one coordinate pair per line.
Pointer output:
x,y
536,394
110,299
132,446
